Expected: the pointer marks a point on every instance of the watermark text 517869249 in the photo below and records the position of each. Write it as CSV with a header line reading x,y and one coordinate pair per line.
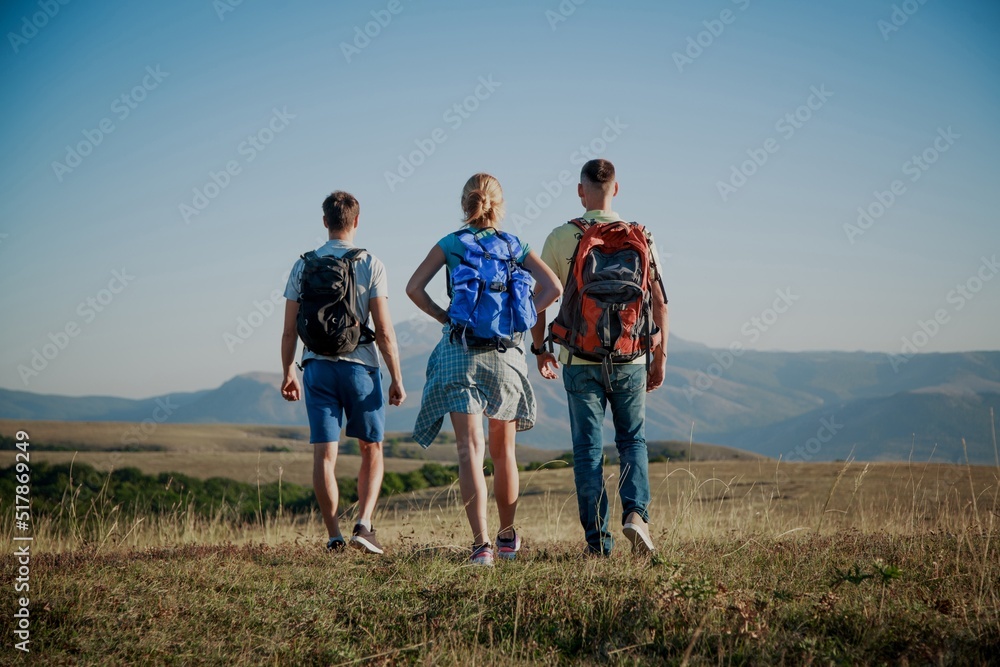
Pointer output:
x,y
22,542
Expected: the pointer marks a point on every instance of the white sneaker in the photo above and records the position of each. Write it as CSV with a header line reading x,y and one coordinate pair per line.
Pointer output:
x,y
636,531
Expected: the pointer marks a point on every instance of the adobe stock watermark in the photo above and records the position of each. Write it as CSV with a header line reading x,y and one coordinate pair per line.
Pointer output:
x,y
454,116
807,451
551,190
223,7
914,168
363,36
32,24
562,12
246,151
956,299
900,14
786,127
88,311
261,312
697,44
752,330
420,322
121,108
163,409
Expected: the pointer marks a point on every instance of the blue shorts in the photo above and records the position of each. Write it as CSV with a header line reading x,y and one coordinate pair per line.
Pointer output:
x,y
334,389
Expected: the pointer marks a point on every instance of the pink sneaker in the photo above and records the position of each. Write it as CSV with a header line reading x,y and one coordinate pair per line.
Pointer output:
x,y
507,549
482,555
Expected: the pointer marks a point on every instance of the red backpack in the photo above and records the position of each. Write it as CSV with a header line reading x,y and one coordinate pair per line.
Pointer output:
x,y
606,314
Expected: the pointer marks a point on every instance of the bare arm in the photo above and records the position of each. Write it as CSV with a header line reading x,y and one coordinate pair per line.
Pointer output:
x,y
547,362
290,387
385,338
548,290
661,319
416,289
547,285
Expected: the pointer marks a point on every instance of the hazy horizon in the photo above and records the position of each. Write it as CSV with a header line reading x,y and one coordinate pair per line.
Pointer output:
x,y
675,340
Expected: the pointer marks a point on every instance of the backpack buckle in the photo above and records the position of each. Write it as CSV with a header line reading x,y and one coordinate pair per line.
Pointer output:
x,y
498,287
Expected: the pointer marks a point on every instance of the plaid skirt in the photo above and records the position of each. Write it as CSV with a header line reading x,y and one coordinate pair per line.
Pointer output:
x,y
474,382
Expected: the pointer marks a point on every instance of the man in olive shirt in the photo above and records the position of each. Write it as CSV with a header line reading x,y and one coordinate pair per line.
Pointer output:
x,y
588,396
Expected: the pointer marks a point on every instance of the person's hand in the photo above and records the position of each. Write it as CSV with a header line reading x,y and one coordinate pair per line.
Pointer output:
x,y
396,393
546,363
291,390
654,379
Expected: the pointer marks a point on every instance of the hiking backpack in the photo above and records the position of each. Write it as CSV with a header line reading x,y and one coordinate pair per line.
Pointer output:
x,y
491,304
606,313
328,321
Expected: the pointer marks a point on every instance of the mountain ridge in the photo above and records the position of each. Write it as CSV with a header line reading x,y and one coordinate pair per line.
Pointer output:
x,y
770,403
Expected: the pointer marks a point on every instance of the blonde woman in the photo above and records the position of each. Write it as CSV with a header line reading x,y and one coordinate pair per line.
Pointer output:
x,y
480,367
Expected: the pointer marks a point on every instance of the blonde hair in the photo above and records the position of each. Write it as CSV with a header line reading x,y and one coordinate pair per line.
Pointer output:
x,y
482,201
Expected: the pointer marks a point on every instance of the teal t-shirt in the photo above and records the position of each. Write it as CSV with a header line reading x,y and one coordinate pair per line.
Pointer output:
x,y
454,250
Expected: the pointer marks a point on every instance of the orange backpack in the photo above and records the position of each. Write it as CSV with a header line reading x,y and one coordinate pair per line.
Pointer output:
x,y
606,313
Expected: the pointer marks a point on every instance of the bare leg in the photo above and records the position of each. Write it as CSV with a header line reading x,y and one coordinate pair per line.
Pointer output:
x,y
369,479
325,484
505,478
471,480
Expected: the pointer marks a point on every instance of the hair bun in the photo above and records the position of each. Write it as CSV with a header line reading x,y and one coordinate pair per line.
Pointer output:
x,y
479,202
482,201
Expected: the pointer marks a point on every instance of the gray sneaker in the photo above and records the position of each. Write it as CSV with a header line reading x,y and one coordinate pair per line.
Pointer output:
x,y
365,540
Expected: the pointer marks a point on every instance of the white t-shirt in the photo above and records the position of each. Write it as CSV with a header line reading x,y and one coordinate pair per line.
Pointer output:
x,y
371,283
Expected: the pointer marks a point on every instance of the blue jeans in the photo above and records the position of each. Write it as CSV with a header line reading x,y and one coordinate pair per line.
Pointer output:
x,y
588,402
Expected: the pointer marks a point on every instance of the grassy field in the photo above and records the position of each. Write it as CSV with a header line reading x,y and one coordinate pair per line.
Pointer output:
x,y
725,601
250,453
295,467
246,453
192,438
758,563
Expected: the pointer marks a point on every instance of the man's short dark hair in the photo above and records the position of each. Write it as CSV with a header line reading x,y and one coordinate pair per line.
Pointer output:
x,y
340,210
598,172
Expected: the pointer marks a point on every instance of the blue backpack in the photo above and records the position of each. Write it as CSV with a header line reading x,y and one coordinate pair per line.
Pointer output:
x,y
491,304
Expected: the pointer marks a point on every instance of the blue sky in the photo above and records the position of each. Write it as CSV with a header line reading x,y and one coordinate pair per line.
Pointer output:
x,y
680,96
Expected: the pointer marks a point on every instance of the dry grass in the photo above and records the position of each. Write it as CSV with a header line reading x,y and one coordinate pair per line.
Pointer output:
x,y
698,500
199,439
774,602
190,438
248,467
759,563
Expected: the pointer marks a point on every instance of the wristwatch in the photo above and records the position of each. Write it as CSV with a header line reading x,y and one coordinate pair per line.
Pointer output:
x,y
536,351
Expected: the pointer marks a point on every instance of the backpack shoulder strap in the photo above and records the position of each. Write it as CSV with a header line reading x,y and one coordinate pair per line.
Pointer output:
x,y
354,254
657,274
478,240
514,246
310,256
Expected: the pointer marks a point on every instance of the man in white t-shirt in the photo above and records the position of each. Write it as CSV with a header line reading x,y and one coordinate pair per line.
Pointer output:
x,y
345,385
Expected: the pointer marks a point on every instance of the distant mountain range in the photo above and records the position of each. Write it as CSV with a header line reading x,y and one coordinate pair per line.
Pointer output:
x,y
799,405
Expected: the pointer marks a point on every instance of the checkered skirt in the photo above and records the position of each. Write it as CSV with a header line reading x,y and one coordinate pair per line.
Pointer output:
x,y
474,382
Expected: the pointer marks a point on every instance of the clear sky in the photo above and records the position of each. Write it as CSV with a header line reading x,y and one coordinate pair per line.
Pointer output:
x,y
746,135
